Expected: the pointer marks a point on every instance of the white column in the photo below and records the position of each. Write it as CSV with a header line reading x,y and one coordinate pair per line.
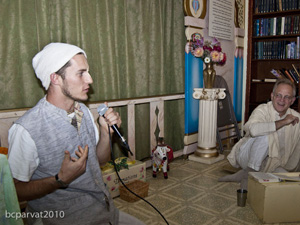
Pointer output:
x,y
206,150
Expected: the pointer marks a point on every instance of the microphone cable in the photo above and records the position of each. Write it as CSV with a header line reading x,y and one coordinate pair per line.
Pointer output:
x,y
115,167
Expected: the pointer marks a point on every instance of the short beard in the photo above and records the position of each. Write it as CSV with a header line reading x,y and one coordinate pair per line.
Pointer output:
x,y
67,93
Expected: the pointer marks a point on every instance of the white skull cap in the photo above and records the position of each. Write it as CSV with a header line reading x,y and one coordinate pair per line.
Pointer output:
x,y
52,58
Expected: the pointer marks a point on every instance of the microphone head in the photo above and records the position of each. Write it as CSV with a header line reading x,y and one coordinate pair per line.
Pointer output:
x,y
102,108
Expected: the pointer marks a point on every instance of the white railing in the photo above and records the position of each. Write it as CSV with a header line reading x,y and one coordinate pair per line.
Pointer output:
x,y
154,120
7,117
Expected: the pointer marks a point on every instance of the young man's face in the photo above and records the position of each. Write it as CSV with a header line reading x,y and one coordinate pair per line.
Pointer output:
x,y
77,79
283,98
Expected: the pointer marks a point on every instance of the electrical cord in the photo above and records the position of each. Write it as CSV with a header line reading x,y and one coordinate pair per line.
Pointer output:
x,y
113,160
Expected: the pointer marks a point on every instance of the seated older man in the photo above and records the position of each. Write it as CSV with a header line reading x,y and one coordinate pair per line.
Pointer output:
x,y
272,139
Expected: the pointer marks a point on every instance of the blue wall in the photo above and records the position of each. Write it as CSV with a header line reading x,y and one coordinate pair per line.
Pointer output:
x,y
193,79
238,87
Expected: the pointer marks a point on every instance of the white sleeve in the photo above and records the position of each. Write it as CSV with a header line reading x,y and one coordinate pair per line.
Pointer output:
x,y
22,153
95,127
261,129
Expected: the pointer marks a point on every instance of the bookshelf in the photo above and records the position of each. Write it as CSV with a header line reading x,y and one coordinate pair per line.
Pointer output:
x,y
274,29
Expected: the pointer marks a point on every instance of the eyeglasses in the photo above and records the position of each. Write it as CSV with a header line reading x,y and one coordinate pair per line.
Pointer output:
x,y
285,98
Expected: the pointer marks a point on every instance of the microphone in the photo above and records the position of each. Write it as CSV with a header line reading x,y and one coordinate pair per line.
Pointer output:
x,y
102,110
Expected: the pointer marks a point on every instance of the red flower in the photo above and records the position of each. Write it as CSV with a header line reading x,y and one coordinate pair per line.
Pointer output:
x,y
207,48
217,48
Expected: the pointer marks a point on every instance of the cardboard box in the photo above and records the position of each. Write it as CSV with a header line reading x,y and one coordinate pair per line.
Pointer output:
x,y
275,202
137,171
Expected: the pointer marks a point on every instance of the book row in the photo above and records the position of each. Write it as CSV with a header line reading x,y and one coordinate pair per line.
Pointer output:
x,y
277,49
291,74
276,26
265,6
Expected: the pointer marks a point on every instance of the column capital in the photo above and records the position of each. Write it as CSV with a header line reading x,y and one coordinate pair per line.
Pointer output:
x,y
210,94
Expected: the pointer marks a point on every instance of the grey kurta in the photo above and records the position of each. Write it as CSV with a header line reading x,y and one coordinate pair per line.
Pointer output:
x,y
86,200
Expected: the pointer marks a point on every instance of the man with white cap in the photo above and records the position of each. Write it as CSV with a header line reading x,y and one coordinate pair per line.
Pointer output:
x,y
55,148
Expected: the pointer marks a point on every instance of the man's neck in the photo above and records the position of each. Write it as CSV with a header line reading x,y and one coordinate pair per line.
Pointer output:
x,y
282,114
60,102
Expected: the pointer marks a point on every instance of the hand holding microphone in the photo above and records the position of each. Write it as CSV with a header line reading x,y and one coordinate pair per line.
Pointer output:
x,y
102,110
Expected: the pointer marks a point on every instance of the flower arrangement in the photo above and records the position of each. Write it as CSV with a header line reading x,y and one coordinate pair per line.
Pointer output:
x,y
208,51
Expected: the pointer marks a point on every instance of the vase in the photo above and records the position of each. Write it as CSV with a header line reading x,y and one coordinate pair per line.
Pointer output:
x,y
209,75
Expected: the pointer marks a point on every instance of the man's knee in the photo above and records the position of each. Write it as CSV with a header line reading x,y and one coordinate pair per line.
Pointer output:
x,y
253,152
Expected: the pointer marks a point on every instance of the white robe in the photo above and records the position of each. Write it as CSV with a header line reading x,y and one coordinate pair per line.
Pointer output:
x,y
265,113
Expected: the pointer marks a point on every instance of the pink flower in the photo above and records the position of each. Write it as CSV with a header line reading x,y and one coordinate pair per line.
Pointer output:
x,y
108,178
198,52
215,56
